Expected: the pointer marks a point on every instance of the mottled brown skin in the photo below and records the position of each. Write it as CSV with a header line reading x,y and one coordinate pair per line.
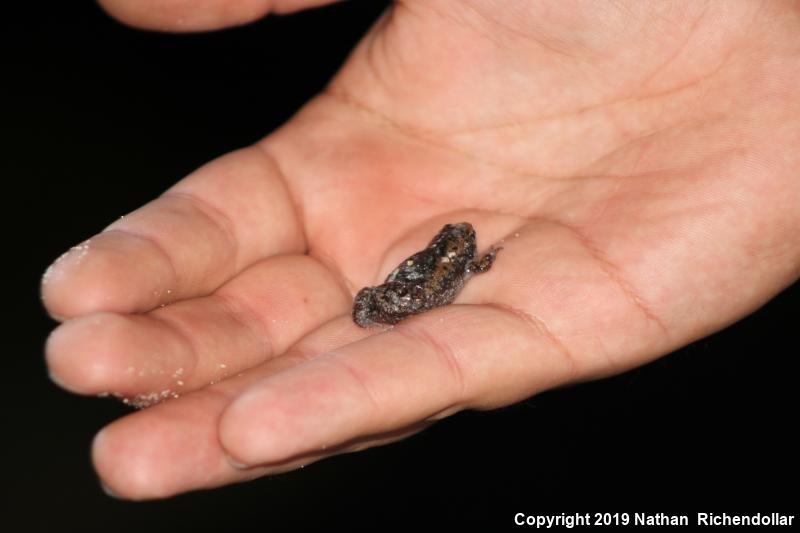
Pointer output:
x,y
427,279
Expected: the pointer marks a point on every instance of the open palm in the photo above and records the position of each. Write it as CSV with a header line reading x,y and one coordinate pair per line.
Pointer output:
x,y
637,162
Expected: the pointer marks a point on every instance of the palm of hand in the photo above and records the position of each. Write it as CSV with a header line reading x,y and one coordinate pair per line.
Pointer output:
x,y
644,195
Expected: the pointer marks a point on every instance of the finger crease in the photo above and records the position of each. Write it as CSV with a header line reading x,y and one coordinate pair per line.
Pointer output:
x,y
540,329
175,327
443,350
216,216
297,206
247,317
153,242
358,378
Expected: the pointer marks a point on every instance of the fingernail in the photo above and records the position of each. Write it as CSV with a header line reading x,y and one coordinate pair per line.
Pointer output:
x,y
236,464
108,491
56,380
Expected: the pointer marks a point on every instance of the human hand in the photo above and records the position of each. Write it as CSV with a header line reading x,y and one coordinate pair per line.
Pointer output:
x,y
639,166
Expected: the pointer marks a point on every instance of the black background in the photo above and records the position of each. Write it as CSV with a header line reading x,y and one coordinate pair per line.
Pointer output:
x,y
99,118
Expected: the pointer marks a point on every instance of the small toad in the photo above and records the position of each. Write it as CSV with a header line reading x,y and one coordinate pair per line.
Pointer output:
x,y
427,279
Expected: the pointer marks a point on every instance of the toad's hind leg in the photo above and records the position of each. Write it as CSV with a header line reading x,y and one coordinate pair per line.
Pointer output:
x,y
485,262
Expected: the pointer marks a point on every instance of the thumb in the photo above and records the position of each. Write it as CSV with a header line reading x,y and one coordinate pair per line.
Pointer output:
x,y
198,15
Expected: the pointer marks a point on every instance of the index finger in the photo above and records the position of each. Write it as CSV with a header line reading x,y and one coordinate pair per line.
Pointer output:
x,y
205,229
425,368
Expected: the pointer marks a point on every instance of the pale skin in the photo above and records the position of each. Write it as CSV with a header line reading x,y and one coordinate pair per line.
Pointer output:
x,y
637,161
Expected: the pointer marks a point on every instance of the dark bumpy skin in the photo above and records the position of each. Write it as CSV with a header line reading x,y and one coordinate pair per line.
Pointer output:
x,y
427,279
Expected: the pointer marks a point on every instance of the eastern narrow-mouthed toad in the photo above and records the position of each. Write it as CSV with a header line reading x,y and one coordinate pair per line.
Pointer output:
x,y
427,279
